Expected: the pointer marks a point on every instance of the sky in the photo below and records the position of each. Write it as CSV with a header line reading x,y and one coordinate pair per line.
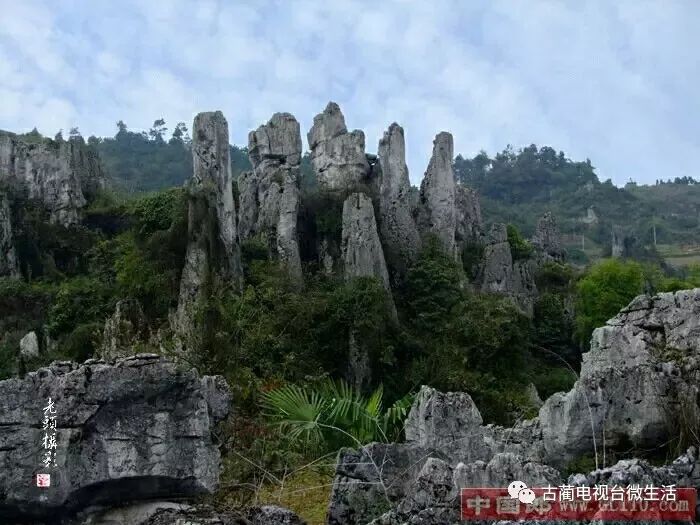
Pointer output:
x,y
616,82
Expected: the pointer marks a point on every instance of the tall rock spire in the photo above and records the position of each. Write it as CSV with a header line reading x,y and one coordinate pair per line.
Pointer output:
x,y
338,156
397,226
437,194
212,247
269,195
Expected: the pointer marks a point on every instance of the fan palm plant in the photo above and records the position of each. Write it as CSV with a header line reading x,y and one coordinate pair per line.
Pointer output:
x,y
334,414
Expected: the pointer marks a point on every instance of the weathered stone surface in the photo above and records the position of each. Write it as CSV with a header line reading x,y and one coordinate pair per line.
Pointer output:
x,y
547,241
58,173
169,513
212,246
362,257
437,194
398,229
140,429
469,224
29,345
362,251
269,195
500,274
123,330
9,264
337,156
642,372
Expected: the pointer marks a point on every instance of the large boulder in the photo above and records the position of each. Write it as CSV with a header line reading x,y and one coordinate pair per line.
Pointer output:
x,y
269,195
136,430
29,345
639,383
212,247
59,173
9,264
437,194
337,156
399,233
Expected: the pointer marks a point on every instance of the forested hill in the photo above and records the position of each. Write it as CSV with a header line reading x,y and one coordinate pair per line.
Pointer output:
x,y
518,186
515,186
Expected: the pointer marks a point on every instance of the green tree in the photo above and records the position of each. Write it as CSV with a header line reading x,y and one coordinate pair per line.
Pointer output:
x,y
606,288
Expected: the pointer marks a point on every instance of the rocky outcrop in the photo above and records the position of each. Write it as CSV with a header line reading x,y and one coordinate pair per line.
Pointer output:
x,y
269,195
638,384
9,264
547,241
58,173
212,248
362,251
169,513
362,257
29,346
469,226
337,156
399,233
136,430
617,241
125,328
437,194
500,274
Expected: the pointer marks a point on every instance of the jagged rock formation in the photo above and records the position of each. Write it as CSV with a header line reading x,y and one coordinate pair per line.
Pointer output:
x,y
337,156
59,173
362,250
638,383
123,330
437,214
399,233
29,345
500,274
362,257
169,513
136,430
617,240
212,247
269,195
469,224
9,265
546,241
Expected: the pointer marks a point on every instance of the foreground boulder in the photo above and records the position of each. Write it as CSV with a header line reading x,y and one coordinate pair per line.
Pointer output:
x,y
136,430
638,385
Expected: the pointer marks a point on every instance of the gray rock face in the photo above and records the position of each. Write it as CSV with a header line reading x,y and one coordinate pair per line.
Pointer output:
x,y
212,234
469,225
123,330
337,156
618,243
29,345
137,430
398,229
362,251
546,241
58,173
9,264
269,195
362,257
500,274
437,214
640,379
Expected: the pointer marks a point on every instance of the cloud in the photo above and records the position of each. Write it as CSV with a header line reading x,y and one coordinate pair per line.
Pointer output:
x,y
612,82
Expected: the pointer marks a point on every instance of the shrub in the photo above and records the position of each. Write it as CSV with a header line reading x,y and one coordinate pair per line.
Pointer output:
x,y
520,248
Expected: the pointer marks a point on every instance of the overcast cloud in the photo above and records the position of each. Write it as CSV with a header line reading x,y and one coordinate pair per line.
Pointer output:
x,y
616,82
